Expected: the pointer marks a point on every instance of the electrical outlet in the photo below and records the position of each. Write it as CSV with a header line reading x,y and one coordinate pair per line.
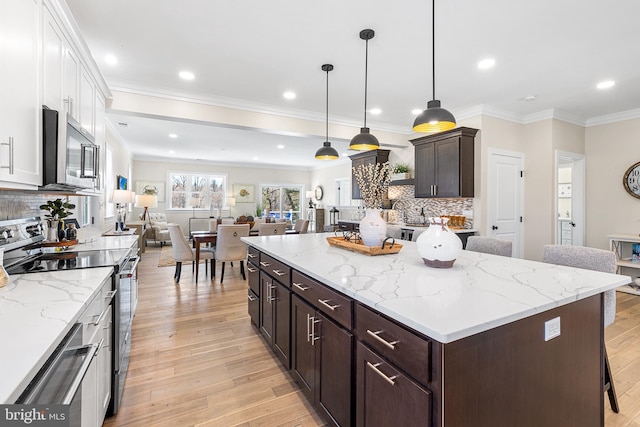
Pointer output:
x,y
551,328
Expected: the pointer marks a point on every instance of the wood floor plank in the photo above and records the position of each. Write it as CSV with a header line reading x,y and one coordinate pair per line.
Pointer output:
x,y
197,361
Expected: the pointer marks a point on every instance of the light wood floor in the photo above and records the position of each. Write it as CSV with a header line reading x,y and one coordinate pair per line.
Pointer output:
x,y
197,361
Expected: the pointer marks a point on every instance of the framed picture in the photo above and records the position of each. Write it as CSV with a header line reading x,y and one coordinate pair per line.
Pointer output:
x,y
151,187
244,193
122,183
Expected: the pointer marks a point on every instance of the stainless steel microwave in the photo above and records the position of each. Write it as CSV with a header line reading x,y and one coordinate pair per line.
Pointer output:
x,y
70,155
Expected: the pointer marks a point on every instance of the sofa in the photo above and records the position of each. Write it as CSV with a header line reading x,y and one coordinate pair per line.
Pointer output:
x,y
159,231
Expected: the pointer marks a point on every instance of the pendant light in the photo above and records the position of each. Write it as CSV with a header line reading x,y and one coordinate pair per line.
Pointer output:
x,y
434,118
327,152
364,140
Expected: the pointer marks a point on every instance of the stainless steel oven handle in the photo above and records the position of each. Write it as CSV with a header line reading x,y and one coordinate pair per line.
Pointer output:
x,y
92,350
111,294
129,273
100,317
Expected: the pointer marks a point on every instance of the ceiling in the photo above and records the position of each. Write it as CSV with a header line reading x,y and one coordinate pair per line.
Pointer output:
x,y
246,54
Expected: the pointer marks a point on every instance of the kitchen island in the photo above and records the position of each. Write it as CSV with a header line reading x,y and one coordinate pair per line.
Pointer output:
x,y
460,346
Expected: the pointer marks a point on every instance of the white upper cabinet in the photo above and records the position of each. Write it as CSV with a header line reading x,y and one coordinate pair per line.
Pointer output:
x,y
70,82
87,98
53,47
20,110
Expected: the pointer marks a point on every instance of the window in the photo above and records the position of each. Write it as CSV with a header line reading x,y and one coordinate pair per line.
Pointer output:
x,y
197,191
282,201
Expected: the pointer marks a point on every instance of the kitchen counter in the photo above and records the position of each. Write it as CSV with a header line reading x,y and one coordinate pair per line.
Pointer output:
x,y
104,243
400,225
479,293
36,312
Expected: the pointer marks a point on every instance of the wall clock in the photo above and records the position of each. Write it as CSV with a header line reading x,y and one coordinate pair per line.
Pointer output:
x,y
318,193
631,180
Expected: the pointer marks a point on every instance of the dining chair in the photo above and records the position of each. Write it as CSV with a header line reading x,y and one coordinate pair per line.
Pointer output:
x,y
256,224
213,225
228,220
597,260
489,245
182,251
271,229
229,247
301,226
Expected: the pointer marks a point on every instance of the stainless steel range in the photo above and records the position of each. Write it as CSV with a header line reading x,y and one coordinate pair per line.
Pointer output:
x,y
22,241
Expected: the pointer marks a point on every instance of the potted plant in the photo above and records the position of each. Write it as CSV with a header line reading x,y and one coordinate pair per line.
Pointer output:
x,y
400,171
57,211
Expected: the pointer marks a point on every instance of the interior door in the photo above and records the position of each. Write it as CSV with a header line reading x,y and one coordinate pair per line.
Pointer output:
x,y
570,208
505,198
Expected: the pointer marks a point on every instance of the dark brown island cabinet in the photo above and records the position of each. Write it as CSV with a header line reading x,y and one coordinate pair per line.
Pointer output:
x,y
444,164
358,367
365,158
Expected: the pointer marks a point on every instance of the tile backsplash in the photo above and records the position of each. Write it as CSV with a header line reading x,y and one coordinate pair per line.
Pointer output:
x,y
17,204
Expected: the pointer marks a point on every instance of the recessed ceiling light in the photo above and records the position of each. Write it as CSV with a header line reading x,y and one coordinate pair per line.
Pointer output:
x,y
280,146
486,63
111,59
529,98
256,158
173,135
416,111
172,152
187,75
289,95
375,111
606,84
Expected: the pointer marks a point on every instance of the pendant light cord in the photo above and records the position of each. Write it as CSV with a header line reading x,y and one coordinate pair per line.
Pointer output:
x,y
433,46
326,129
366,72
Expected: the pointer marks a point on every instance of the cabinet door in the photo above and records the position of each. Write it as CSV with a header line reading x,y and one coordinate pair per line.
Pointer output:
x,y
52,50
335,369
87,102
425,170
355,188
266,307
281,297
386,396
20,110
104,367
253,278
254,307
70,82
303,349
447,168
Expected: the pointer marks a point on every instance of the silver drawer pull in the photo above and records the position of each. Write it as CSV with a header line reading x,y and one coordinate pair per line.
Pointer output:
x,y
251,298
390,380
264,264
391,345
329,306
279,273
111,294
251,270
299,286
250,255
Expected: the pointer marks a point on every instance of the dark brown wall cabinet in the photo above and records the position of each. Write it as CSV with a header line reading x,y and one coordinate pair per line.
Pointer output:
x,y
365,158
444,163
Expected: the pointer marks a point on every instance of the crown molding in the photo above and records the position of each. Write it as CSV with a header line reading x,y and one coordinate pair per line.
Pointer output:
x,y
614,118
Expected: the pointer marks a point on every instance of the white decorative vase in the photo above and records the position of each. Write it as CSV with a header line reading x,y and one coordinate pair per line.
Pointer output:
x,y
438,246
373,229
52,231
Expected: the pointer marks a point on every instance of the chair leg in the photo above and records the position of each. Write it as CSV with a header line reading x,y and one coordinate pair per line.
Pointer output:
x,y
178,271
608,384
222,273
242,270
213,268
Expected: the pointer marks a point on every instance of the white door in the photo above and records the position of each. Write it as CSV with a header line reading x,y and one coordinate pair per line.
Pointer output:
x,y
570,188
505,198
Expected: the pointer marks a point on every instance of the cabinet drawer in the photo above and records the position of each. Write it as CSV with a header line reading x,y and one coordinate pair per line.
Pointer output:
x,y
253,277
276,269
404,348
253,255
328,301
254,307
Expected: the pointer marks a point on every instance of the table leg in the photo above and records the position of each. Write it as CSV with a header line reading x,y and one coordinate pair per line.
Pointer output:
x,y
197,243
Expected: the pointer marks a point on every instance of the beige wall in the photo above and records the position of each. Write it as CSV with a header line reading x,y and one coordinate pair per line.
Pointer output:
x,y
610,150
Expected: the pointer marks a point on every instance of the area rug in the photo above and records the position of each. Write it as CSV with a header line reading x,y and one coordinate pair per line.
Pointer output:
x,y
166,257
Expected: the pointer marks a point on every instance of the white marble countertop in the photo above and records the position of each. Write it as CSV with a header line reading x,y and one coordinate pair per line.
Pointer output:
x,y
36,312
480,292
103,243
413,227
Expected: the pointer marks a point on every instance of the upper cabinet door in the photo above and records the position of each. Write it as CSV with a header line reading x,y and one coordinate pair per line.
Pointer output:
x,y
87,102
71,83
365,158
53,47
20,141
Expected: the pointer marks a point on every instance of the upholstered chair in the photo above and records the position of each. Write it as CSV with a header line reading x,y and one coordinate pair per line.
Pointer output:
x,y
271,229
598,260
227,220
159,228
229,247
256,224
213,225
301,226
183,252
489,245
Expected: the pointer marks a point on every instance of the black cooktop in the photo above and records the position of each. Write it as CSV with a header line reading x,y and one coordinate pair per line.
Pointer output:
x,y
57,261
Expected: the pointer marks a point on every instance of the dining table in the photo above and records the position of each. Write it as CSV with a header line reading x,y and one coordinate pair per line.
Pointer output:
x,y
200,237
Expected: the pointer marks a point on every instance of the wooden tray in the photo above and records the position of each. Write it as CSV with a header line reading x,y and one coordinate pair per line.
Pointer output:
x,y
367,250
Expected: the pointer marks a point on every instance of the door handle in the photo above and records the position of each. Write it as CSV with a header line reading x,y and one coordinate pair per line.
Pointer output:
x,y
573,224
494,227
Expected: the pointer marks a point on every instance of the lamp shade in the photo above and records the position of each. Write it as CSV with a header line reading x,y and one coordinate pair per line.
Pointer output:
x,y
231,201
364,141
326,152
309,194
146,201
122,196
434,119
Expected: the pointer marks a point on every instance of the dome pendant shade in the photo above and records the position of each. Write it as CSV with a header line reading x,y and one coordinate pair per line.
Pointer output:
x,y
327,152
364,141
434,119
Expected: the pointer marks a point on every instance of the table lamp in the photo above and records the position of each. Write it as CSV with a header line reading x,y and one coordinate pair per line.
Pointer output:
x,y
310,196
121,198
146,201
231,201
